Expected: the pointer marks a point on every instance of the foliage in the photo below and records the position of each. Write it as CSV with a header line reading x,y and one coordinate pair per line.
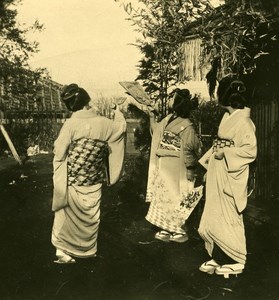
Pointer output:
x,y
142,133
237,37
104,105
30,132
206,120
16,76
209,115
163,25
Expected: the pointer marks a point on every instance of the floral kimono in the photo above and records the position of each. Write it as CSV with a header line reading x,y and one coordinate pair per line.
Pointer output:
x,y
88,151
175,147
226,185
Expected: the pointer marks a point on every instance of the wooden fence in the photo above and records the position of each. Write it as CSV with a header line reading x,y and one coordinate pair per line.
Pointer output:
x,y
266,118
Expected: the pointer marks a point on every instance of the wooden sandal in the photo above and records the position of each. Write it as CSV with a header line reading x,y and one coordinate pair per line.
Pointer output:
x,y
64,259
163,235
231,269
209,266
179,237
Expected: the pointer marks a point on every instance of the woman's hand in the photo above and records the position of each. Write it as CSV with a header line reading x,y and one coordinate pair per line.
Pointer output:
x,y
219,154
151,111
115,106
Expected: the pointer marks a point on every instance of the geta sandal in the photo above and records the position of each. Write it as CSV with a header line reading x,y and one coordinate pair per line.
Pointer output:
x,y
163,235
231,269
65,259
209,266
179,237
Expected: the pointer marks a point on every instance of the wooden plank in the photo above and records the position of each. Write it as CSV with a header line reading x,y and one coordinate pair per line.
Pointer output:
x,y
10,144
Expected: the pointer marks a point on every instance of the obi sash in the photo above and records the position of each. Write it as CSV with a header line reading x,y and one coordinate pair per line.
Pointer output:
x,y
170,141
87,162
221,143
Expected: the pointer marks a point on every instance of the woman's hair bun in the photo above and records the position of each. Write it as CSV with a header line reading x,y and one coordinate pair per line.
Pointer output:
x,y
231,92
183,103
74,97
182,93
69,91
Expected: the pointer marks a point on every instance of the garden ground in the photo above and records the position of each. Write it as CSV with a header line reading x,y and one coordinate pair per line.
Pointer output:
x,y
130,264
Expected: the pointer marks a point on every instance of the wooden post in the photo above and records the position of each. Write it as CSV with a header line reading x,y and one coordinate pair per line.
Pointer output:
x,y
10,143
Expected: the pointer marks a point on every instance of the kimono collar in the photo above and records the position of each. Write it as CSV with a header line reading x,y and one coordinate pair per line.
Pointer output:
x,y
84,114
245,112
179,124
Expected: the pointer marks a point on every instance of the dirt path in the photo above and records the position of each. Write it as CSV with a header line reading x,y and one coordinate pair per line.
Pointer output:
x,y
131,264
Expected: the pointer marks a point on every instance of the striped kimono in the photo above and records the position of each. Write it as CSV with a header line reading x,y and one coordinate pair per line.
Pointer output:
x,y
175,148
226,185
88,151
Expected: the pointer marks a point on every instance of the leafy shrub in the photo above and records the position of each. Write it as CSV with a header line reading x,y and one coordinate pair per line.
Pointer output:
x,y
36,131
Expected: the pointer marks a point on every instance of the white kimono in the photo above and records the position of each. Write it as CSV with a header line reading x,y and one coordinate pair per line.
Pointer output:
x,y
226,186
77,207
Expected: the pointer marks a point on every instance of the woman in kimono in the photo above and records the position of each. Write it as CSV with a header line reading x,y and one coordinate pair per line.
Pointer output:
x,y
227,164
174,156
86,145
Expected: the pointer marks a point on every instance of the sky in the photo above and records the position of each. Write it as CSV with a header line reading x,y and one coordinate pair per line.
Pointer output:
x,y
87,42
84,41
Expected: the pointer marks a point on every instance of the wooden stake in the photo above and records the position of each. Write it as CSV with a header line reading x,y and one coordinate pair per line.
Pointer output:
x,y
11,145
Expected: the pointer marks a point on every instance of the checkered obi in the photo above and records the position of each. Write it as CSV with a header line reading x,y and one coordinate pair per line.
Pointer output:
x,y
87,162
170,141
221,143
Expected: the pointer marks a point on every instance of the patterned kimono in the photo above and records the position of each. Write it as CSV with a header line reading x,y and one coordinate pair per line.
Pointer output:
x,y
88,151
226,185
175,147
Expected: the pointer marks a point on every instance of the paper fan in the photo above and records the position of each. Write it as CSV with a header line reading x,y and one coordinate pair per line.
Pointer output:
x,y
119,100
134,89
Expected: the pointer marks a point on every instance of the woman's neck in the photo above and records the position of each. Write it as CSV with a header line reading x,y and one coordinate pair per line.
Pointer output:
x,y
230,109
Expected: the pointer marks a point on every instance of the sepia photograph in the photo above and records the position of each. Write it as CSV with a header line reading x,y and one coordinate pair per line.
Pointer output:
x,y
139,149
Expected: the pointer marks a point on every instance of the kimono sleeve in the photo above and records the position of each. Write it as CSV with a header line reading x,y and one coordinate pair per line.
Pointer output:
x,y
116,141
117,127
245,150
204,160
62,143
157,128
60,186
152,123
191,145
237,159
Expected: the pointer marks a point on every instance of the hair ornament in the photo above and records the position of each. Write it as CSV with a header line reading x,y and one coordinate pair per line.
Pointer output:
x,y
238,86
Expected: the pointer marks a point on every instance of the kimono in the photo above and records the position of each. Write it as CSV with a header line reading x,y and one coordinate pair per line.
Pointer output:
x,y
226,185
175,148
88,151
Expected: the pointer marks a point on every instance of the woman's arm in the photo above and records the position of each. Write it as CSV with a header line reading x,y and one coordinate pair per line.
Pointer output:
x,y
191,148
62,143
116,127
245,149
